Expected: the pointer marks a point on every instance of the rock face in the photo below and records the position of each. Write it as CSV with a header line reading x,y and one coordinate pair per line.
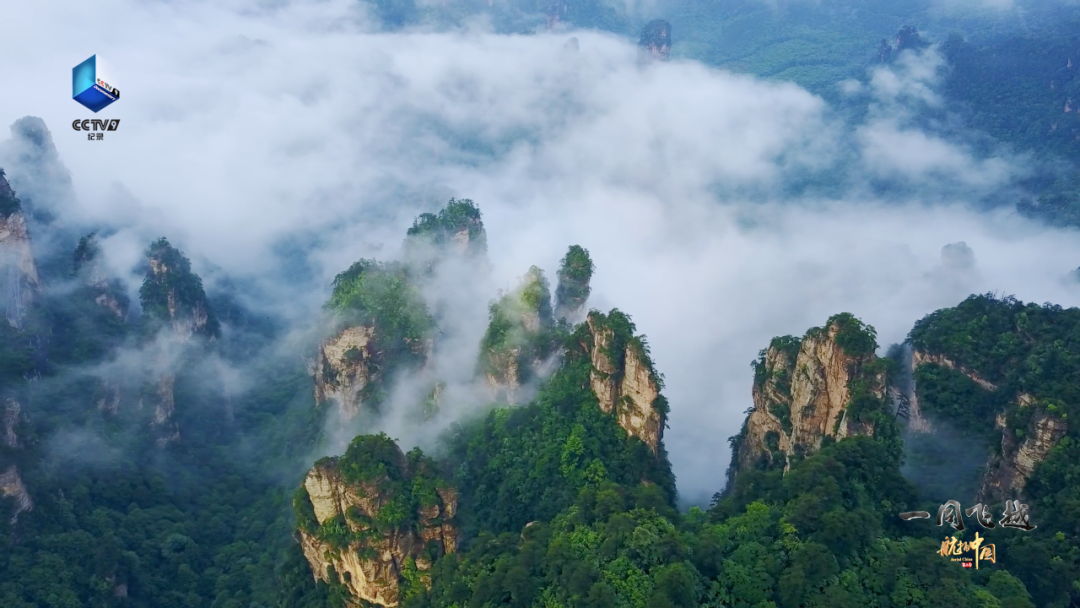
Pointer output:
x,y
920,358
177,294
356,525
622,377
164,409
12,410
456,229
1009,397
916,421
106,291
1011,466
907,37
177,314
802,391
655,39
575,273
344,367
518,343
1009,470
18,272
385,314
11,485
108,397
884,52
44,185
503,377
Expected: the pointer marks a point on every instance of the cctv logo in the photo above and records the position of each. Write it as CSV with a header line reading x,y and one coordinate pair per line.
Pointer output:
x,y
96,125
94,84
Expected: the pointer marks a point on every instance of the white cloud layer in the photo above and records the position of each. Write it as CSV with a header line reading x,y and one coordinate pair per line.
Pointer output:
x,y
244,123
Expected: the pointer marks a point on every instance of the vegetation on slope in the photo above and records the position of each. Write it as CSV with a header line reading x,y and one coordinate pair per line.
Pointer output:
x,y
522,464
1021,349
558,506
458,217
172,292
521,330
575,272
384,295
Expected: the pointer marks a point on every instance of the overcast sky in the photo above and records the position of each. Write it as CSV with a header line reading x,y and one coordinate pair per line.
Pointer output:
x,y
244,123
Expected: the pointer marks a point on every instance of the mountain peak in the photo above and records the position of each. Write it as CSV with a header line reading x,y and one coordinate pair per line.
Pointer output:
x,y
656,39
824,386
575,273
36,137
34,166
458,225
171,293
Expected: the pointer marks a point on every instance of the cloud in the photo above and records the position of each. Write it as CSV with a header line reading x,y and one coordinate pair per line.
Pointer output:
x,y
898,142
283,141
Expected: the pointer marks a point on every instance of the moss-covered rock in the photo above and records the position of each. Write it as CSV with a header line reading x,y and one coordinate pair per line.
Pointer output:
x,y
376,517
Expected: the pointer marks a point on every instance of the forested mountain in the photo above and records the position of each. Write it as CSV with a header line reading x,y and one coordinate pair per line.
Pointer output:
x,y
132,477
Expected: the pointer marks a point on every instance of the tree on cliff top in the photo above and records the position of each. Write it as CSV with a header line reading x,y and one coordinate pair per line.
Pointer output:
x,y
384,295
171,291
457,216
575,272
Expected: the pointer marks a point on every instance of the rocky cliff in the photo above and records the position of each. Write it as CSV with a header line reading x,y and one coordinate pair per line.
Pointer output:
x,y
575,273
622,376
381,324
344,367
12,418
18,272
906,38
457,229
916,420
48,197
997,371
804,391
1022,449
655,40
382,327
519,341
177,324
11,486
1028,432
173,295
377,517
105,290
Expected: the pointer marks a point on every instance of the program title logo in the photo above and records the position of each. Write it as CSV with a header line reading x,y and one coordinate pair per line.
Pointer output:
x,y
94,85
